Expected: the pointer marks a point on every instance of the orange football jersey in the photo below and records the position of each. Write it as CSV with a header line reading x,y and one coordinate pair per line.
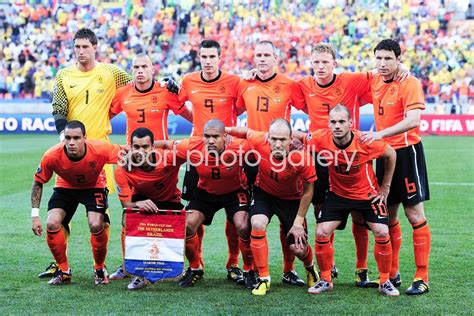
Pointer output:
x,y
267,100
391,102
157,184
213,99
346,89
148,108
83,174
217,175
351,174
282,179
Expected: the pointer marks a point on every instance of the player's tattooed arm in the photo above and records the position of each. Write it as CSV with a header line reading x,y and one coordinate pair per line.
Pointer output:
x,y
36,193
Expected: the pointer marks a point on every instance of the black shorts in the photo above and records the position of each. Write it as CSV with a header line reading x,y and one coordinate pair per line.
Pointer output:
x,y
209,204
95,200
190,182
321,185
162,205
251,174
337,208
264,203
410,178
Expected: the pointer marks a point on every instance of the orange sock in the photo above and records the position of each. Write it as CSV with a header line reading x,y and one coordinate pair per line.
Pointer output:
x,y
99,247
123,241
57,244
288,256
232,245
383,256
421,247
192,251
308,257
361,240
325,256
396,239
247,256
259,246
200,233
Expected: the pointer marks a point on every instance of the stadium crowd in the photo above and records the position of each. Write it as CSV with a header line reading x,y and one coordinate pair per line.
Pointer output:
x,y
35,41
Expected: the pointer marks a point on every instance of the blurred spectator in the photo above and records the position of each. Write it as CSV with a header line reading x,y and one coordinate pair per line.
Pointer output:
x,y
36,40
437,48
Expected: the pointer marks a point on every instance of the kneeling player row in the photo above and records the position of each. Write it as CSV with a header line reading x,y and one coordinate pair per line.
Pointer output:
x,y
286,193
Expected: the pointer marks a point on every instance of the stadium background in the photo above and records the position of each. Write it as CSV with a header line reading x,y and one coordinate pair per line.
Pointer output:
x,y
35,42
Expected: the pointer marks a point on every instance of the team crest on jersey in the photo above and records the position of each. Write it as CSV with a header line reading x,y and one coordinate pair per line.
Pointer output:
x,y
221,89
92,164
154,99
309,136
276,89
39,169
392,90
100,79
338,91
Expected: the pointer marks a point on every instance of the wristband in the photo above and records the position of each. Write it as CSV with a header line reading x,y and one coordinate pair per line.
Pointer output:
x,y
35,212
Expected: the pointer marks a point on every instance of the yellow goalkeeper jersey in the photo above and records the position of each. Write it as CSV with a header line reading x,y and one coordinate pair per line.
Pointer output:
x,y
87,96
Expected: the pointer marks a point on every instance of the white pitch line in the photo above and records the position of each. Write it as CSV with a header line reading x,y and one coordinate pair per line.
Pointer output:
x,y
453,183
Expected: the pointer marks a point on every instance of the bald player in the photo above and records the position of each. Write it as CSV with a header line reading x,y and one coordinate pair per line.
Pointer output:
x,y
353,187
222,184
267,98
283,187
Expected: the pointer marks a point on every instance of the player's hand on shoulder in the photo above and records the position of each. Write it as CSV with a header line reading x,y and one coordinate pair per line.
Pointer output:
x,y
402,73
36,226
170,84
147,206
296,144
249,75
61,137
370,137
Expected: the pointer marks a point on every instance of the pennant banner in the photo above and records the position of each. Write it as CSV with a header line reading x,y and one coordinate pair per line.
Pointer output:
x,y
154,244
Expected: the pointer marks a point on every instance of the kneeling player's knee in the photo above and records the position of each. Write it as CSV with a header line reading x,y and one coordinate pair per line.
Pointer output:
x,y
53,225
380,231
299,252
190,231
259,226
243,229
321,232
415,214
96,227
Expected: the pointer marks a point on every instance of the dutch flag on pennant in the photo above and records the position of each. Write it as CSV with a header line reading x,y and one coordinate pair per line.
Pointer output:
x,y
154,244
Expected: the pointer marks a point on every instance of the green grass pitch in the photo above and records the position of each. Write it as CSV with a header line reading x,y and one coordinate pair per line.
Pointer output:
x,y
23,255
